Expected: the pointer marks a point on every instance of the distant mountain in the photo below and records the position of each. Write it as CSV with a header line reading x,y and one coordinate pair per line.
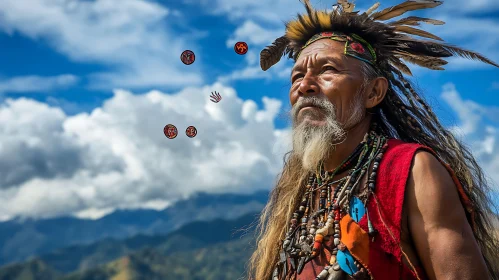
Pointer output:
x,y
21,239
224,261
32,270
197,244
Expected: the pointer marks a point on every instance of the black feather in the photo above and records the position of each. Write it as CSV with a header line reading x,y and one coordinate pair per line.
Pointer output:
x,y
420,47
395,61
468,54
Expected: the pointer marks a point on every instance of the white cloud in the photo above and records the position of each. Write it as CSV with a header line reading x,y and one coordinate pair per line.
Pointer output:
x,y
278,71
117,156
254,34
250,72
268,11
273,12
37,83
474,129
131,37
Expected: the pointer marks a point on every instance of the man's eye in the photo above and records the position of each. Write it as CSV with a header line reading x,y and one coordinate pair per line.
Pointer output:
x,y
296,77
328,68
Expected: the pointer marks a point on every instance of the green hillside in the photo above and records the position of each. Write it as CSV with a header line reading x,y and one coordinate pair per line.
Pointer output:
x,y
201,250
217,262
32,270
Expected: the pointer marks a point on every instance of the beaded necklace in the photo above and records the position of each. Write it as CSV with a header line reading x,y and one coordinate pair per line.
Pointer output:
x,y
303,242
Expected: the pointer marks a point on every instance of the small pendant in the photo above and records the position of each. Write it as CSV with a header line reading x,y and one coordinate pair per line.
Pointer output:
x,y
324,273
301,265
336,267
336,241
275,275
335,274
284,263
305,248
357,209
346,262
293,263
361,274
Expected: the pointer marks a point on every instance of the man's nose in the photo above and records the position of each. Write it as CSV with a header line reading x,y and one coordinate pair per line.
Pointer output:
x,y
308,86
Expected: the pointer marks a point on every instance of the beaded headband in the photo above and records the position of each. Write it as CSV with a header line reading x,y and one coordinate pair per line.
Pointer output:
x,y
355,46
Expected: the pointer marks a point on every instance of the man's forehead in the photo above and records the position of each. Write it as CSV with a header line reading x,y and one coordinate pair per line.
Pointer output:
x,y
320,58
322,51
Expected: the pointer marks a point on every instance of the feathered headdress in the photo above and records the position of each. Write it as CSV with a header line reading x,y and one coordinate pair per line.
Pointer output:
x,y
391,42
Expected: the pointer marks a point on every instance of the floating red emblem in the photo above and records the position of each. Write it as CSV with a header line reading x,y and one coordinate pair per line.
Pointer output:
x,y
170,131
241,48
191,131
188,57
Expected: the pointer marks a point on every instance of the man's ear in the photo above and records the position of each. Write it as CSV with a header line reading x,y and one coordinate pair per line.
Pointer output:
x,y
378,88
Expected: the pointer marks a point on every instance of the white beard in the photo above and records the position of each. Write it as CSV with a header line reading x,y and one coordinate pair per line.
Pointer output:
x,y
314,143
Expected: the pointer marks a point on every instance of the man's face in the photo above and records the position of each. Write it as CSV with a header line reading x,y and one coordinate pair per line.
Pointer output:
x,y
323,71
326,98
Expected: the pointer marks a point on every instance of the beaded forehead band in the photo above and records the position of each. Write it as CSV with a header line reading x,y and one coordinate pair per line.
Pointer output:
x,y
355,46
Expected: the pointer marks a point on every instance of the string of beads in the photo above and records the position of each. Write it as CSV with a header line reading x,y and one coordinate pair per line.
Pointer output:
x,y
307,231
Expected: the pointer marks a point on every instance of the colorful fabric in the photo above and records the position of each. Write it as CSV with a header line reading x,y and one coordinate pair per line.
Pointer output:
x,y
356,239
385,252
355,46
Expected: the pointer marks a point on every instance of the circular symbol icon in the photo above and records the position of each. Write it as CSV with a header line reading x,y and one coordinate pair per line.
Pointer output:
x,y
170,131
187,57
241,48
191,131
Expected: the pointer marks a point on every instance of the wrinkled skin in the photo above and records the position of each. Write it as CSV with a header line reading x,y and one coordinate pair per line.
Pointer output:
x,y
322,70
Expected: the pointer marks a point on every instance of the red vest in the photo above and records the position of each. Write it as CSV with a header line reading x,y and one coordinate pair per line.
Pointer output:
x,y
385,255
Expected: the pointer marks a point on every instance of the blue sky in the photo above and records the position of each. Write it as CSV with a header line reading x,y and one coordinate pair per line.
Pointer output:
x,y
86,87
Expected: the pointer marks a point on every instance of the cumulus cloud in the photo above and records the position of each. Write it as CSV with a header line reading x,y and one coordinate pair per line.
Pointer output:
x,y
478,128
272,12
254,34
132,38
251,72
37,83
118,157
268,11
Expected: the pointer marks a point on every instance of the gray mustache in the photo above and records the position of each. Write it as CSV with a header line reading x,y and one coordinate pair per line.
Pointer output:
x,y
309,101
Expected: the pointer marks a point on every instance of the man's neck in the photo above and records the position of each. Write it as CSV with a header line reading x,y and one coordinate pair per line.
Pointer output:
x,y
343,150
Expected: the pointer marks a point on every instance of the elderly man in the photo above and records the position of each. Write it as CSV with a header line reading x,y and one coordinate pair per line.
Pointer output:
x,y
375,187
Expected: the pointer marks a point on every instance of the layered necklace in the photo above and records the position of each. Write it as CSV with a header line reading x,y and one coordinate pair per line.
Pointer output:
x,y
307,230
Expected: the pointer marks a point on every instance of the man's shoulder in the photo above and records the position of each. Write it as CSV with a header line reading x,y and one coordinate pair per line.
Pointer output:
x,y
430,176
416,159
425,161
419,153
400,153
